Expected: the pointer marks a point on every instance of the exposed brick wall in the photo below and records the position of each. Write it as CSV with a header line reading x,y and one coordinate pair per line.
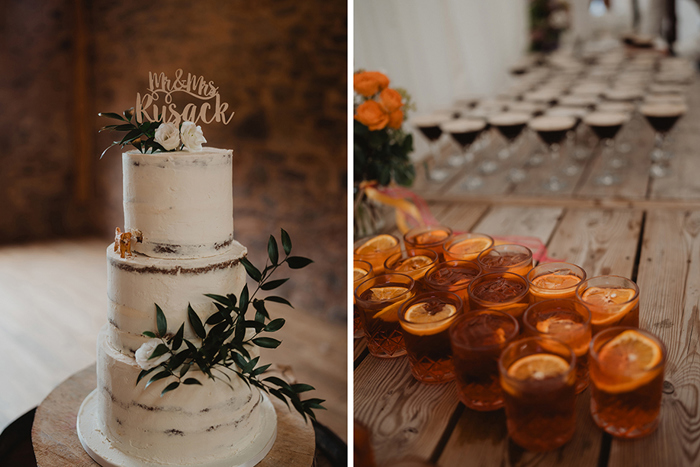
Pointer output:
x,y
281,65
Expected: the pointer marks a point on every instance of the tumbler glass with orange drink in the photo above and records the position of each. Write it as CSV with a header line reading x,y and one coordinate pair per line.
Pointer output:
x,y
538,376
378,300
452,276
376,249
506,258
425,320
554,280
566,320
613,301
627,376
466,246
503,291
477,339
361,271
427,236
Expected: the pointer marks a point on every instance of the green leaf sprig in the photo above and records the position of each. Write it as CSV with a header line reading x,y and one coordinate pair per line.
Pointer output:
x,y
139,135
223,350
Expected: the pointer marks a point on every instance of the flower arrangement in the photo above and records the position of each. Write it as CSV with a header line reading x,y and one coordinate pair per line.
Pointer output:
x,y
221,349
154,136
381,145
548,20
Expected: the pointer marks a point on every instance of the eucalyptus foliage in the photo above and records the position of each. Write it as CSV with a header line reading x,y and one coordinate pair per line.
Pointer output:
x,y
223,341
139,135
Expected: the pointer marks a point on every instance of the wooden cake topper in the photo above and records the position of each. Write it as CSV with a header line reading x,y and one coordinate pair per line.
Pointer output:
x,y
150,109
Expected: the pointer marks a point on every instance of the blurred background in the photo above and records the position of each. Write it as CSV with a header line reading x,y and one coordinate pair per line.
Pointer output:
x,y
281,66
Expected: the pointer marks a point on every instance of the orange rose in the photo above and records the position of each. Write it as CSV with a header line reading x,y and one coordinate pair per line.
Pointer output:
x,y
396,119
391,100
369,83
372,114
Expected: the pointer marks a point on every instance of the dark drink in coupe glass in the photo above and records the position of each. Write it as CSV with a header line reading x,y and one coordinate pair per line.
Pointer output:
x,y
552,130
606,125
510,124
429,126
663,116
464,131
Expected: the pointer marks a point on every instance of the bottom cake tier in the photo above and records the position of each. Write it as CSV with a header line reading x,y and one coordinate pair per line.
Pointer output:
x,y
187,426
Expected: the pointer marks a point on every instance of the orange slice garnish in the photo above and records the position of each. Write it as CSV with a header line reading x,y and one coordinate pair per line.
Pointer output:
x,y
470,246
358,273
427,319
605,303
433,236
537,367
555,281
390,313
375,244
413,263
627,354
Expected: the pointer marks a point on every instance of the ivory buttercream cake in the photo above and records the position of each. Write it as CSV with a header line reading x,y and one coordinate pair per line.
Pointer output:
x,y
179,206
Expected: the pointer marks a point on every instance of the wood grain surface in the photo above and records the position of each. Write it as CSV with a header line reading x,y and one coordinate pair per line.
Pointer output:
x,y
56,442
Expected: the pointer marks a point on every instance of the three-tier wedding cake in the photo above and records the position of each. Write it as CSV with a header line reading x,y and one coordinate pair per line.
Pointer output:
x,y
179,206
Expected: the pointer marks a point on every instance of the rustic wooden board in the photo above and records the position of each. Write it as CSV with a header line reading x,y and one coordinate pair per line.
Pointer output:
x,y
601,241
669,278
404,416
537,222
56,442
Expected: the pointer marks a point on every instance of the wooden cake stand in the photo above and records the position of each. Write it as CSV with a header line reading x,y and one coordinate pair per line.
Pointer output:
x,y
56,442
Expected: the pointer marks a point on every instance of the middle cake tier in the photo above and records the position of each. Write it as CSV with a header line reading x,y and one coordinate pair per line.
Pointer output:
x,y
136,284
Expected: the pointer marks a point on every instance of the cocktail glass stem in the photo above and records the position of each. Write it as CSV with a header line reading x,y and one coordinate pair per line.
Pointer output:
x,y
607,177
437,173
555,183
660,158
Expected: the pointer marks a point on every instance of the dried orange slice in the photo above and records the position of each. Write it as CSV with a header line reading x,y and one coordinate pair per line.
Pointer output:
x,y
423,315
358,273
556,281
557,325
537,367
379,243
390,313
387,293
605,303
628,354
470,246
413,263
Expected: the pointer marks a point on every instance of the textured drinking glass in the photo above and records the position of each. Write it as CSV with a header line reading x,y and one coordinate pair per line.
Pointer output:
x,y
452,276
503,291
506,258
376,249
361,271
414,262
425,320
613,301
627,377
566,320
538,376
554,280
378,300
466,246
477,339
427,236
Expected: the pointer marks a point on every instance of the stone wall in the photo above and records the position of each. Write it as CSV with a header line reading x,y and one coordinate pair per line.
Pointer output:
x,y
281,65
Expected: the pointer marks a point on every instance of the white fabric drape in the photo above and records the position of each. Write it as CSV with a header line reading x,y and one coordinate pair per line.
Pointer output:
x,y
440,50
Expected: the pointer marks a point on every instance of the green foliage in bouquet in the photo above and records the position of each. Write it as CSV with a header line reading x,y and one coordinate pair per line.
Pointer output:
x,y
224,342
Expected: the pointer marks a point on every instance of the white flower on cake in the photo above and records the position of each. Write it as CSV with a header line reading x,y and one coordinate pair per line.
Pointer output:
x,y
168,136
145,351
192,136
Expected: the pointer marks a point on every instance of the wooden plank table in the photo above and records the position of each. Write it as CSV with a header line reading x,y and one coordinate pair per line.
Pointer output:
x,y
645,229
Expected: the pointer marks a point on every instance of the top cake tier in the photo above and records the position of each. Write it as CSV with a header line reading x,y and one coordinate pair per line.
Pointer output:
x,y
181,202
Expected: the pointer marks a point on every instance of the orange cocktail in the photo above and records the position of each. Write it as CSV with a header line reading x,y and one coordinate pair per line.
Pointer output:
x,y
477,339
506,258
627,377
427,236
361,271
376,249
466,246
538,376
452,276
503,291
415,263
613,301
425,320
378,300
566,320
554,280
